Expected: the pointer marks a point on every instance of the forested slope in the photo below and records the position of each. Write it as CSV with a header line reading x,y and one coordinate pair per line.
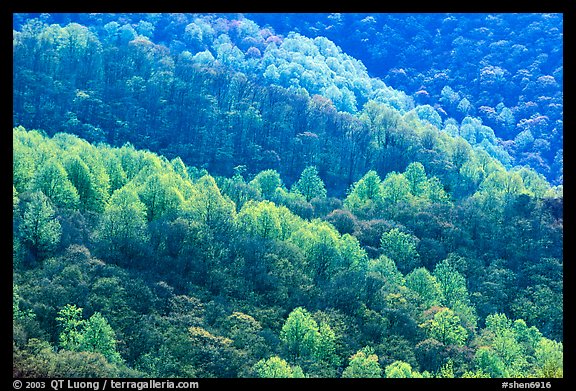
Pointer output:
x,y
196,276
504,69
184,210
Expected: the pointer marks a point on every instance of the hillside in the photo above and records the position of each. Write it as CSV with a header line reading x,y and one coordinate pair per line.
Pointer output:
x,y
198,196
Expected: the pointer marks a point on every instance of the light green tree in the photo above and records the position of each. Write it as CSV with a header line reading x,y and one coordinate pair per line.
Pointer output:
x,y
92,335
99,337
455,292
92,190
71,325
549,358
395,188
400,369
260,219
123,225
39,230
300,333
352,254
160,196
422,282
365,196
325,349
319,243
363,364
52,180
435,191
275,367
400,247
445,327
488,362
416,176
266,182
310,185
209,206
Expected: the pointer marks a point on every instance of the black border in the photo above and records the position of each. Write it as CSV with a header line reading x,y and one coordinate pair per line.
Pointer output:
x,y
565,7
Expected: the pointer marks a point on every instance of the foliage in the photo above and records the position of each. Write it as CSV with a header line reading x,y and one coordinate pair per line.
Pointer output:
x,y
205,197
363,364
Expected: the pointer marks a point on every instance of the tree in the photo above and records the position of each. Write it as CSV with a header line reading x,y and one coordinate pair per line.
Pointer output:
x,y
300,333
52,180
487,361
71,324
416,176
422,282
435,191
261,219
395,188
325,349
365,196
93,193
400,247
455,292
500,338
363,364
319,242
400,369
122,229
209,206
275,367
445,327
310,185
211,355
549,358
266,182
40,231
160,196
99,337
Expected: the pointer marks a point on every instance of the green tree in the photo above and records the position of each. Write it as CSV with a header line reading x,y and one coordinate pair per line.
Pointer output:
x,y
40,231
365,196
71,324
416,176
455,293
422,282
23,160
52,180
501,337
319,243
352,254
400,247
92,190
300,333
325,349
99,337
400,369
363,364
395,188
310,185
381,120
208,206
122,230
435,191
260,219
266,182
160,196
487,361
275,367
445,327
549,358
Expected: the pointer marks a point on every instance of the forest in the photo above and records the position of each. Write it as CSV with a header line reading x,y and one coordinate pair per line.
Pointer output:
x,y
269,195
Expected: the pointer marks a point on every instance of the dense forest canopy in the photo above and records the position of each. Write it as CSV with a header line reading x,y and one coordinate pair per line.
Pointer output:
x,y
210,195
504,69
